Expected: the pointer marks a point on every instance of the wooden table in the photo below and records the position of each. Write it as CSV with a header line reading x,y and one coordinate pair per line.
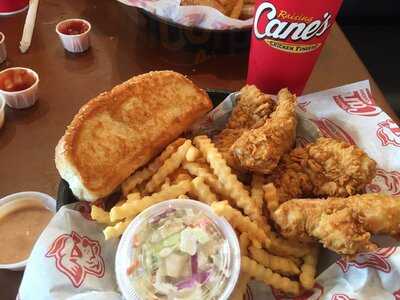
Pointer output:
x,y
119,50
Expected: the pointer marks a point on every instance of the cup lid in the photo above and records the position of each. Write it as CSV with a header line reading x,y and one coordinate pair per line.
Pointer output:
x,y
221,272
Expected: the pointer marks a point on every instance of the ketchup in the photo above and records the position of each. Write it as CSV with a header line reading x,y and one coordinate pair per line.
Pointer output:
x,y
16,80
73,27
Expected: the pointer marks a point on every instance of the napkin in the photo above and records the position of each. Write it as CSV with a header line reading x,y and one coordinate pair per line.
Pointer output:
x,y
196,15
71,259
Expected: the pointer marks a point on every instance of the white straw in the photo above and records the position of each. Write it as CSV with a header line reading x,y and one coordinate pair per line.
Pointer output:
x,y
29,26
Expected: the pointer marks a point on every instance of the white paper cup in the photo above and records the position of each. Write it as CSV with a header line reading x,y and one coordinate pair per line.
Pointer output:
x,y
24,98
13,199
125,249
76,43
2,112
3,50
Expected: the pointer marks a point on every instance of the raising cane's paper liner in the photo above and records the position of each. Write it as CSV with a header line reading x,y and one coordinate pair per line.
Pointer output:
x,y
194,15
71,259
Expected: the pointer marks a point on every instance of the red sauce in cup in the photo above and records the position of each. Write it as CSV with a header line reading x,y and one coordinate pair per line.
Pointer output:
x,y
16,80
73,27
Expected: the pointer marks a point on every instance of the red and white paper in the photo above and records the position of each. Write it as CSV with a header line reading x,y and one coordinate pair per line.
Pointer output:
x,y
71,259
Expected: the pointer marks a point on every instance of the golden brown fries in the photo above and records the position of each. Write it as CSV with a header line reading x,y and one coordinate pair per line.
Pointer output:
x,y
236,190
197,170
169,166
144,174
309,269
134,207
116,230
241,287
278,264
239,221
277,281
257,193
244,243
271,197
192,154
203,191
100,215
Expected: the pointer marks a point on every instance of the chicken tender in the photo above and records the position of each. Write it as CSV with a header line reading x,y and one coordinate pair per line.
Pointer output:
x,y
252,109
343,225
224,140
327,167
260,149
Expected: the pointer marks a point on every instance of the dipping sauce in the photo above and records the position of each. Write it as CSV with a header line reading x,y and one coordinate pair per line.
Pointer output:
x,y
73,27
179,254
16,80
19,230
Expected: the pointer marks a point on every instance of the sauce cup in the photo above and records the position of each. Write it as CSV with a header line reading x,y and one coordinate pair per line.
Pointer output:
x,y
19,87
14,201
74,35
125,252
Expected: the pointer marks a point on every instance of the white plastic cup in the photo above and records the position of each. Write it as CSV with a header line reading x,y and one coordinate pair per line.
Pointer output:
x,y
47,201
75,43
125,249
2,112
3,50
24,98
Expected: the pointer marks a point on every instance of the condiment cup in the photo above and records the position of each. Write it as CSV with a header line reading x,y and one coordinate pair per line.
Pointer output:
x,y
3,50
22,98
8,202
75,43
126,247
2,113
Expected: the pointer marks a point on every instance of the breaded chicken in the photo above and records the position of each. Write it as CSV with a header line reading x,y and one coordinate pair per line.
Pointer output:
x,y
252,109
343,225
327,167
260,149
224,140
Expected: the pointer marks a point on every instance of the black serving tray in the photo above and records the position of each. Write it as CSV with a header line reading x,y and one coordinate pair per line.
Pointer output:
x,y
65,195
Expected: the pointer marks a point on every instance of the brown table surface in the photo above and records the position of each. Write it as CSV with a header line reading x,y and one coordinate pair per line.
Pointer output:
x,y
119,50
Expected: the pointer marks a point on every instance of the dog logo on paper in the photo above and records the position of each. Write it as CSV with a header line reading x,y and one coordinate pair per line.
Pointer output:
x,y
314,294
341,297
385,182
388,133
77,257
377,260
360,102
330,129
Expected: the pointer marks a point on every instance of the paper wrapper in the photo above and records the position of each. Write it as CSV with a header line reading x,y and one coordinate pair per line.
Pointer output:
x,y
193,15
71,259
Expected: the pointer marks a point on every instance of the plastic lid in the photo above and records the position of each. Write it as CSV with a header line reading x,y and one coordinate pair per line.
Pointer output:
x,y
125,252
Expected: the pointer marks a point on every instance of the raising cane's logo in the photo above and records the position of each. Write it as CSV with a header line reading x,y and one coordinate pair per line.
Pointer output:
x,y
341,297
331,129
385,181
287,36
360,102
377,260
76,257
388,133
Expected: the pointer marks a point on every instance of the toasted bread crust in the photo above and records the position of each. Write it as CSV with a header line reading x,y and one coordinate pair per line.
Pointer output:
x,y
121,130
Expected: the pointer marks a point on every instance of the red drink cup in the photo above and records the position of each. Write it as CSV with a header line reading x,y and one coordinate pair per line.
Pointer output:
x,y
287,38
8,7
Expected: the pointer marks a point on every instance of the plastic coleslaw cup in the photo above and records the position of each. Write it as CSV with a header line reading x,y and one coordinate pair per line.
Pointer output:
x,y
125,251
